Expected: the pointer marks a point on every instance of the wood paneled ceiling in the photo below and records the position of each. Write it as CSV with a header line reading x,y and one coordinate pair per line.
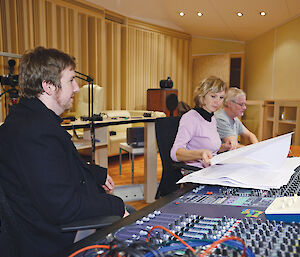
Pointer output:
x,y
219,18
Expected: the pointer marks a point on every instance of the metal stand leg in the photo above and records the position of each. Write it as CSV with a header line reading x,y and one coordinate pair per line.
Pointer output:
x,y
132,168
120,160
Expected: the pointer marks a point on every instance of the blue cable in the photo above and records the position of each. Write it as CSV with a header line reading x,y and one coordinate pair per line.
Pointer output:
x,y
180,246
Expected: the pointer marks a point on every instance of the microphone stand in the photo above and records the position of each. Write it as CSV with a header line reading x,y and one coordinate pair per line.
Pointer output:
x,y
90,117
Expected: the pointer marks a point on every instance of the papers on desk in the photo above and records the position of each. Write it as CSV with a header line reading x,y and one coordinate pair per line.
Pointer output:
x,y
263,166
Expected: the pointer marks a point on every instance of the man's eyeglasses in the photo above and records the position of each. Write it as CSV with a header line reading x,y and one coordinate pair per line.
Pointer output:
x,y
242,105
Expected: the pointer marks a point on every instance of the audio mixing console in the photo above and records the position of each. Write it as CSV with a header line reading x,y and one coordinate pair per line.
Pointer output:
x,y
204,215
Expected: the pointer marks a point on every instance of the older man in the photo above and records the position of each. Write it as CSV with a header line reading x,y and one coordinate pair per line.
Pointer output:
x,y
228,124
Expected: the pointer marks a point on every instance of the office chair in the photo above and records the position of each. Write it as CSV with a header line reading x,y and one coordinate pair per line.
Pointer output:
x,y
83,100
9,236
166,131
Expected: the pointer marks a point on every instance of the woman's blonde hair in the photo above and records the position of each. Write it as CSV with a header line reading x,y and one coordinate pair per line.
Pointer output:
x,y
210,84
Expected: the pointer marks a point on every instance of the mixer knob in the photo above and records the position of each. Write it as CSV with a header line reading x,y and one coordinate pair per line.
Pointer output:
x,y
274,239
260,231
157,212
248,236
290,248
285,240
177,228
183,224
279,253
282,247
267,252
260,244
257,250
270,245
143,233
267,232
151,215
218,251
295,236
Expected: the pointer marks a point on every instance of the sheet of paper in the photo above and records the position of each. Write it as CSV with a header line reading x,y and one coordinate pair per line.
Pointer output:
x,y
247,176
270,152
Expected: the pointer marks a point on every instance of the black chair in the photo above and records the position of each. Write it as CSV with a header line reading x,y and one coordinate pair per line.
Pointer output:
x,y
166,131
9,227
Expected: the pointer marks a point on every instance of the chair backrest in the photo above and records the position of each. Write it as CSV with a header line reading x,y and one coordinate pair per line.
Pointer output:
x,y
83,100
183,108
166,131
8,228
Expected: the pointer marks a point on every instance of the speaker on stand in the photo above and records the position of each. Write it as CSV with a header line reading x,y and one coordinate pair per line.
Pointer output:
x,y
163,100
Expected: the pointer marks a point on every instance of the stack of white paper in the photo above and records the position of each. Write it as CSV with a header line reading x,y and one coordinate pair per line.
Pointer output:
x,y
263,166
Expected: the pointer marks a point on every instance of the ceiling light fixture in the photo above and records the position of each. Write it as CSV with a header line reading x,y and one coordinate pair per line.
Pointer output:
x,y
262,13
240,14
181,14
199,14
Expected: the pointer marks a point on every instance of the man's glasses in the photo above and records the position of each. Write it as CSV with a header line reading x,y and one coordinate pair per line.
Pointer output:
x,y
242,105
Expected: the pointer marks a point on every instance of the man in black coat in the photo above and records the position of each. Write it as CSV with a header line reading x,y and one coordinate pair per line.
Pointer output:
x,y
45,179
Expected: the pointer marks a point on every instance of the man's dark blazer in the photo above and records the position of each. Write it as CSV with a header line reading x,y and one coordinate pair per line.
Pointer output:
x,y
47,182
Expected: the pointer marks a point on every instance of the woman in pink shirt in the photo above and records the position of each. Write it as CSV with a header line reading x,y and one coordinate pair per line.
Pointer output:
x,y
197,139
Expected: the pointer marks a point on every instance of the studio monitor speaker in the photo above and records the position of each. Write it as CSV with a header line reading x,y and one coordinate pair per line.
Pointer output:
x,y
163,99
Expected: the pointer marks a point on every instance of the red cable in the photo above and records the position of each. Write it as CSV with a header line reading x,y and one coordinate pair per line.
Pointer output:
x,y
214,244
170,232
89,247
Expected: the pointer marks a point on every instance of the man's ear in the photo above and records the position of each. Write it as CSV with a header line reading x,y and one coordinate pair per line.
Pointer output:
x,y
48,87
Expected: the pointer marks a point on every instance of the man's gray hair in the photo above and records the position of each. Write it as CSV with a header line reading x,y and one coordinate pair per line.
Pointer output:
x,y
232,94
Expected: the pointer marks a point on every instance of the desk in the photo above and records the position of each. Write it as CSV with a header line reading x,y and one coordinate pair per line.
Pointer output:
x,y
101,156
294,151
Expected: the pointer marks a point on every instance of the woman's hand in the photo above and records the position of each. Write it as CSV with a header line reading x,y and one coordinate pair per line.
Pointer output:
x,y
202,155
205,156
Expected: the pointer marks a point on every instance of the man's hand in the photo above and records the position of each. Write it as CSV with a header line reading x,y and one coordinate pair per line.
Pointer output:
x,y
230,143
109,185
126,213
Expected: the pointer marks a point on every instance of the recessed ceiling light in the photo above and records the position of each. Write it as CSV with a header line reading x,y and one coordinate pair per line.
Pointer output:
x,y
199,14
262,13
240,14
181,14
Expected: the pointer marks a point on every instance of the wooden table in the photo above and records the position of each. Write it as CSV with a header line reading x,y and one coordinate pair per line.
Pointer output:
x,y
294,150
101,153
